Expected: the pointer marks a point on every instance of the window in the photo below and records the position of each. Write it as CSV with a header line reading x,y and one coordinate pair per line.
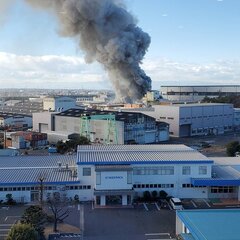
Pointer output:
x,y
225,189
202,170
86,171
129,177
186,170
98,178
166,170
187,185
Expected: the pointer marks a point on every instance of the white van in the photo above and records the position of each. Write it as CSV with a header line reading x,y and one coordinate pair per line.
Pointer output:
x,y
176,203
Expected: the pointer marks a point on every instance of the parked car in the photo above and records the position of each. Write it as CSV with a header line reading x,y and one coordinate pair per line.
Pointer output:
x,y
176,203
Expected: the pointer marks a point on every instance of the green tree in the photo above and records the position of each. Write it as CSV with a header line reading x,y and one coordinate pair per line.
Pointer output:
x,y
74,142
9,199
232,148
61,147
154,194
162,194
146,196
35,217
71,144
22,232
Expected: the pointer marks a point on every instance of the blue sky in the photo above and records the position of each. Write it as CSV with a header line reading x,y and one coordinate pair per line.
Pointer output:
x,y
193,42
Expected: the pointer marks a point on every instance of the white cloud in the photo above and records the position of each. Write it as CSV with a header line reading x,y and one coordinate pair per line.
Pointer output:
x,y
53,71
167,72
47,71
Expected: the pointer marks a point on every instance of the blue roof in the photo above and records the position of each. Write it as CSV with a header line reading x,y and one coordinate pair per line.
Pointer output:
x,y
212,224
139,154
214,182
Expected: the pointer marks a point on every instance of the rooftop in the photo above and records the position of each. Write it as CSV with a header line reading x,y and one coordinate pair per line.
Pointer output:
x,y
120,116
194,105
28,169
211,224
139,154
6,115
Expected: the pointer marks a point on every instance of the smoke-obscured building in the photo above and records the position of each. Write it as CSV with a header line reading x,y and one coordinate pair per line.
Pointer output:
x,y
197,93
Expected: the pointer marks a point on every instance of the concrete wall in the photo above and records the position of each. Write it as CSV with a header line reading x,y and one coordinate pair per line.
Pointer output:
x,y
98,130
44,121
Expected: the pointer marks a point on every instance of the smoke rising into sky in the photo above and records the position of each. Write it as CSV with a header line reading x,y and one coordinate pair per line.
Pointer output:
x,y
107,33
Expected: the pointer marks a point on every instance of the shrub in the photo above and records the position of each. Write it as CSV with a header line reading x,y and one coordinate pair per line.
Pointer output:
x,y
146,196
76,198
162,194
232,148
154,194
9,199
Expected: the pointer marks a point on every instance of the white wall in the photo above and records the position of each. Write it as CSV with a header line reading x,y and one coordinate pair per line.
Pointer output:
x,y
113,181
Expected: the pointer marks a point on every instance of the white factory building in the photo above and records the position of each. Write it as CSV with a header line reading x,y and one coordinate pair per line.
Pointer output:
x,y
197,119
198,93
58,103
117,174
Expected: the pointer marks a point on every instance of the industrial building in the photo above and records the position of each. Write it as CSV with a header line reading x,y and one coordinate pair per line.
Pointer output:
x,y
58,103
15,121
198,119
117,174
197,93
108,127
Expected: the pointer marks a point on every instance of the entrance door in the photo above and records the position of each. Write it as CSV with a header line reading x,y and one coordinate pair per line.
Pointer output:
x,y
114,200
34,196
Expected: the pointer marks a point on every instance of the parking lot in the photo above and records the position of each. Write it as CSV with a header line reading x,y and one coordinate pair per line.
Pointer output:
x,y
136,223
8,217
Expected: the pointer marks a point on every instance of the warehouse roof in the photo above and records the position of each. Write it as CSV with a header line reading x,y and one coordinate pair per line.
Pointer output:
x,y
194,105
37,161
139,154
32,175
6,115
119,115
28,169
211,224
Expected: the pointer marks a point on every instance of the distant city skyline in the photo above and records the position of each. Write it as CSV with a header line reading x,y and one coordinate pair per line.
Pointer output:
x,y
193,43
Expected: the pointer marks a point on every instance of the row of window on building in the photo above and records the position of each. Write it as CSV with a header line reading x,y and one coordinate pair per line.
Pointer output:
x,y
165,185
185,185
167,170
38,188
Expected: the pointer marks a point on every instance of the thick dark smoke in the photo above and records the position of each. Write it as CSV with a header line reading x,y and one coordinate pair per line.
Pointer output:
x,y
107,33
